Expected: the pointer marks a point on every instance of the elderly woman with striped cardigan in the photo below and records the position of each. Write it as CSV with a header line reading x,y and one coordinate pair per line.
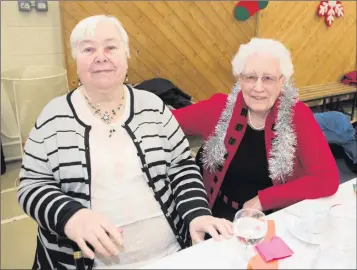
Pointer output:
x,y
108,170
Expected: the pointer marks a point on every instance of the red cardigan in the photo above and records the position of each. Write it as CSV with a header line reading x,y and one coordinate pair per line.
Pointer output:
x,y
315,172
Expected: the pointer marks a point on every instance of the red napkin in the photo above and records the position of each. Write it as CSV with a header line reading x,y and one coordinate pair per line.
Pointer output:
x,y
274,249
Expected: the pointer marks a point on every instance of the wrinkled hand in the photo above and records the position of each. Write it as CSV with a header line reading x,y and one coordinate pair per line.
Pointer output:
x,y
208,224
253,204
86,225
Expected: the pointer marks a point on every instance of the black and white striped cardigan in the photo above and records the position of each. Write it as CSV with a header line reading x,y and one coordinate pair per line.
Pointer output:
x,y
56,172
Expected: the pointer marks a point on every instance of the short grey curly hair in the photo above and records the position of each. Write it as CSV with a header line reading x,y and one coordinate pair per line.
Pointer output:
x,y
264,45
88,26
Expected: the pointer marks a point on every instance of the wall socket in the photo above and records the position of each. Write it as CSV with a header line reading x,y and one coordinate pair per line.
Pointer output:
x,y
27,5
24,5
41,5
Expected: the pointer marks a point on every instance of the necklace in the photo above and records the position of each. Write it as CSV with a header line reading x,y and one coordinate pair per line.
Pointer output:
x,y
251,123
107,116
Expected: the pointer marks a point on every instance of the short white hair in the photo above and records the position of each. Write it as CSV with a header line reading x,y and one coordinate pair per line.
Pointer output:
x,y
88,25
264,45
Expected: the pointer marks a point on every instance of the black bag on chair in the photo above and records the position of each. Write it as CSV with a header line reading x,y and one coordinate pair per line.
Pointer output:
x,y
167,91
3,165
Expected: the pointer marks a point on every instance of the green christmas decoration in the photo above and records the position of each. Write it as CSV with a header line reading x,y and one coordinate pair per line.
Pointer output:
x,y
246,9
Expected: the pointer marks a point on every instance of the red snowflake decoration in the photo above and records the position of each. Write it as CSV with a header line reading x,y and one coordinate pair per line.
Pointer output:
x,y
330,9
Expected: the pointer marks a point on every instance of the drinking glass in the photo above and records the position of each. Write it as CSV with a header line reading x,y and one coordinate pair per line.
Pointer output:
x,y
250,228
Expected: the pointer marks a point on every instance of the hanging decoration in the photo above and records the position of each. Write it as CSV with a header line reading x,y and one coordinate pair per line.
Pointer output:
x,y
330,10
246,9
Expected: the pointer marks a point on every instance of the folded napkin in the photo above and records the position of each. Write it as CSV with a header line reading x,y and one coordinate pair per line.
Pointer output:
x,y
275,249
257,262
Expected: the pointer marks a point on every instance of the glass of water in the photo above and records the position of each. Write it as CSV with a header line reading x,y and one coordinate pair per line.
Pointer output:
x,y
250,228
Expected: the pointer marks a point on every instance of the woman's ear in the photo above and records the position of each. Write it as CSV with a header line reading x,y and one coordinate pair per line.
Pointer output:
x,y
283,80
282,83
238,79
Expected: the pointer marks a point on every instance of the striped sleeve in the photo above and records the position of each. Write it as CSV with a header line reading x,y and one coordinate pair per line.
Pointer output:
x,y
39,194
185,178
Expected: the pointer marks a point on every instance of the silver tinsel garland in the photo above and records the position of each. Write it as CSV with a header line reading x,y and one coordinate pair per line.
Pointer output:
x,y
214,148
281,161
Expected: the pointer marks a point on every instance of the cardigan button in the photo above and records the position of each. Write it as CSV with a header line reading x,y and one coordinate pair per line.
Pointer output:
x,y
244,112
211,191
231,141
215,179
239,127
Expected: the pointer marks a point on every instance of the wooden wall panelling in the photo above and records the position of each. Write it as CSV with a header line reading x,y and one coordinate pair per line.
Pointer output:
x,y
212,49
320,54
159,46
168,22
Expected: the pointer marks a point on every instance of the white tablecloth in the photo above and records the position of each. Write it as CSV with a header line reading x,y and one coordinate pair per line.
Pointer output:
x,y
225,254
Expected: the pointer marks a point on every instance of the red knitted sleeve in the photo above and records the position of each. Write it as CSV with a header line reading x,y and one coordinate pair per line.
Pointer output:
x,y
320,174
199,119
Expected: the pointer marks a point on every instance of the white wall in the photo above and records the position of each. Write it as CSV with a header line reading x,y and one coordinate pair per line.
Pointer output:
x,y
28,39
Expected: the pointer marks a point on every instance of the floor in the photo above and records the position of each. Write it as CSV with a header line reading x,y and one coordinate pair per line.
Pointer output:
x,y
18,236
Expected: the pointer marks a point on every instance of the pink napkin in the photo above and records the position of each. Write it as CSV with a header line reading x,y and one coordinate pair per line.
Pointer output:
x,y
274,249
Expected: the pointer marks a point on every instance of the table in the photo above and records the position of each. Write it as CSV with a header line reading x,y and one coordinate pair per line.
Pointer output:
x,y
332,92
225,254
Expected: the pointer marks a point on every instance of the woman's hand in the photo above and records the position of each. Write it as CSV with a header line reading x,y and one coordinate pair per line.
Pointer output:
x,y
253,204
88,226
208,224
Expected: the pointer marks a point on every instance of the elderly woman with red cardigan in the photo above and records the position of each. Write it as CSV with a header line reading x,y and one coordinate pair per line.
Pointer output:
x,y
263,148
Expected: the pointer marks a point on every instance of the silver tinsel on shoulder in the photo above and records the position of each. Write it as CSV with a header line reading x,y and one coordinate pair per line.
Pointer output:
x,y
214,148
281,161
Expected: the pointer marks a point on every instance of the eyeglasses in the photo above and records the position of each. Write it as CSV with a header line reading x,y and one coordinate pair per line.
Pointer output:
x,y
266,79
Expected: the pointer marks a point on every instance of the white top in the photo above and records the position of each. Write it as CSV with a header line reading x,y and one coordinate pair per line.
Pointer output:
x,y
120,192
336,248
